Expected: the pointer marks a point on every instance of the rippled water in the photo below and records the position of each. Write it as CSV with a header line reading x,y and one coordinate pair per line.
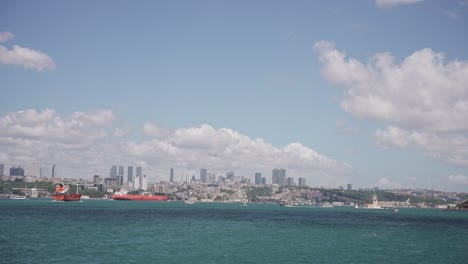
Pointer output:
x,y
92,231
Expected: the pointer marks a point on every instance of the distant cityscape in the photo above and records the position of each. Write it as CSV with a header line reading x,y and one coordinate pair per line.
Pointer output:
x,y
231,188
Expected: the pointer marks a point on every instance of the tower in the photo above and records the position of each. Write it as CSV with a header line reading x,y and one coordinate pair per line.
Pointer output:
x,y
258,178
130,176
171,177
203,173
144,183
120,176
278,176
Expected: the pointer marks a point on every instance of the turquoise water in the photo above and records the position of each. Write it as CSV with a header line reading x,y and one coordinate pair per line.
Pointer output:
x,y
92,231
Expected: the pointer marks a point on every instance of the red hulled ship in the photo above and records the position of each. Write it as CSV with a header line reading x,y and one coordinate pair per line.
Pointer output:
x,y
140,197
61,194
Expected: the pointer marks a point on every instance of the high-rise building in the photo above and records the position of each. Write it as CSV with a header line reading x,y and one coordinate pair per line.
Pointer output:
x,y
113,172
263,180
302,182
130,176
278,176
290,181
136,182
96,179
53,171
203,173
230,175
2,168
258,178
144,183
171,176
140,177
16,171
350,187
120,176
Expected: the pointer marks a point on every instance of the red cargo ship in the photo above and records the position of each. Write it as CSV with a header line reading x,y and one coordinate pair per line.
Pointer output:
x,y
140,197
61,195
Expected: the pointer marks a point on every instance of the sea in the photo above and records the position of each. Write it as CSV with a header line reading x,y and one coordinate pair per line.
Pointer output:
x,y
106,231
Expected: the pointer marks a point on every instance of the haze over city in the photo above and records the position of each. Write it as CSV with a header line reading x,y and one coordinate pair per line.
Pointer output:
x,y
373,93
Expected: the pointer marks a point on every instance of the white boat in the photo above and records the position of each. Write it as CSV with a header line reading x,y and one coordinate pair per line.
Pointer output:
x,y
18,197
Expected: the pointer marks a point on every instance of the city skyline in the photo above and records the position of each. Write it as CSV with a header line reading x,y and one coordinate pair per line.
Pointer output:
x,y
371,93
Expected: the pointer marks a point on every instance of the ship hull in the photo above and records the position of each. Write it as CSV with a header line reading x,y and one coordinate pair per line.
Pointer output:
x,y
67,197
138,197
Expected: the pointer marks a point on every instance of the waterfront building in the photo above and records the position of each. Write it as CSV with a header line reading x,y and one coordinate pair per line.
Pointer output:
x,y
278,176
2,168
171,177
159,189
302,182
203,173
16,171
258,178
130,176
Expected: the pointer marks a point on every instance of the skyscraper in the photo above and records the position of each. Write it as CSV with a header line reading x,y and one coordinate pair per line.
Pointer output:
x,y
138,178
290,181
230,175
258,178
278,176
120,176
144,183
2,168
130,176
203,173
350,187
171,177
113,172
97,179
53,171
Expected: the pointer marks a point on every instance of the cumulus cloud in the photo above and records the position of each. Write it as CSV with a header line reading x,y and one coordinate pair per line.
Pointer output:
x,y
392,3
458,179
26,57
85,143
423,99
6,36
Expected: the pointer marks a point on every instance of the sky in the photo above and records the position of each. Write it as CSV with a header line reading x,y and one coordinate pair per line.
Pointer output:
x,y
372,93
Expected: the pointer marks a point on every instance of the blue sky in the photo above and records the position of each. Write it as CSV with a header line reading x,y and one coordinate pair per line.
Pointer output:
x,y
160,70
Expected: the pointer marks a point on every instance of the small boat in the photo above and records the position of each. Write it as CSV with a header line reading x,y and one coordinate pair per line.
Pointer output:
x,y
17,197
395,209
244,202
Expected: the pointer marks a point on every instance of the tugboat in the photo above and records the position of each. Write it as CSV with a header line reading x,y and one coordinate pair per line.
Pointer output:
x,y
61,194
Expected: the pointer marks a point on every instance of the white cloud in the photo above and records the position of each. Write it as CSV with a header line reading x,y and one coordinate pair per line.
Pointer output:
x,y
85,143
423,99
458,179
6,36
385,183
26,57
392,3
